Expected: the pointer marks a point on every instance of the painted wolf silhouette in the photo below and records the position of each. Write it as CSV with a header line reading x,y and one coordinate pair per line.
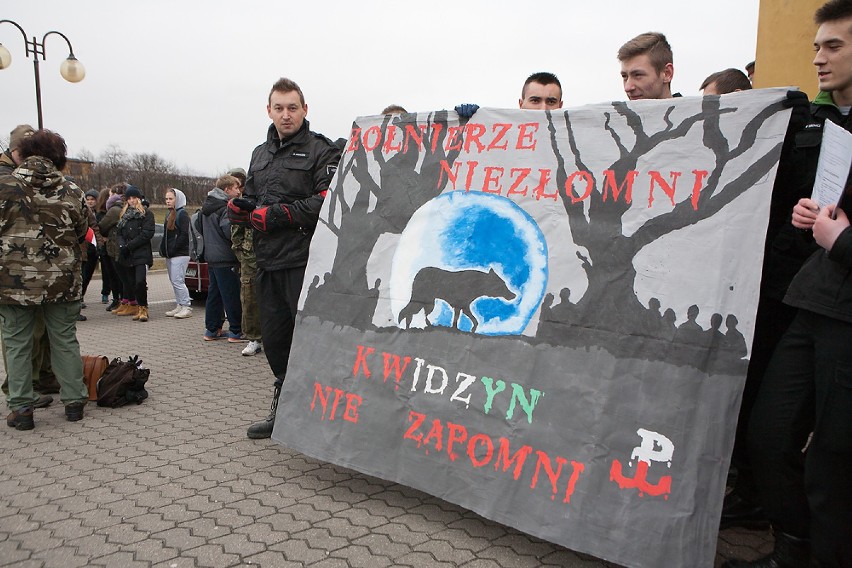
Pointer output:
x,y
459,289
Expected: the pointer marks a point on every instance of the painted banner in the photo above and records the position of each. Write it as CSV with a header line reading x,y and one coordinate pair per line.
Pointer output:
x,y
543,317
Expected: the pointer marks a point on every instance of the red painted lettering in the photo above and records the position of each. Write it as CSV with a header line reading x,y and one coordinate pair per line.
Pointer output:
x,y
523,173
389,137
435,433
392,364
353,401
569,185
490,179
553,476
527,133
484,440
657,178
354,138
322,393
454,138
452,175
543,181
697,186
473,132
500,133
377,134
518,458
361,361
416,420
617,190
458,434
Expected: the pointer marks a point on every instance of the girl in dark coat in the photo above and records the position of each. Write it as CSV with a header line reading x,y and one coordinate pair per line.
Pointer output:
x,y
134,232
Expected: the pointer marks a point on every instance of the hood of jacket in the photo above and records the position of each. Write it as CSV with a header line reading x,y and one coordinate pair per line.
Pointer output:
x,y
216,199
39,173
180,198
112,200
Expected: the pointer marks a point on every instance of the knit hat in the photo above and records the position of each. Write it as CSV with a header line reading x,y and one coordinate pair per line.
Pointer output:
x,y
18,134
92,193
132,191
237,172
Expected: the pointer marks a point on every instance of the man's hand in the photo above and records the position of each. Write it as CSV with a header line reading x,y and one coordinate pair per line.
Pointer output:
x,y
271,218
805,213
466,110
237,212
826,229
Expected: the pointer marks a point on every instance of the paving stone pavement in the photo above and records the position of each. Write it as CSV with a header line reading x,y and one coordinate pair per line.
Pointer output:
x,y
175,483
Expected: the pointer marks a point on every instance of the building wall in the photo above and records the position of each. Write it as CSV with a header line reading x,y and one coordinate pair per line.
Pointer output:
x,y
785,39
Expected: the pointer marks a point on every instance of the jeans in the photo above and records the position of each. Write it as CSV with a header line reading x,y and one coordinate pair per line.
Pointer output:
x,y
60,319
223,297
176,267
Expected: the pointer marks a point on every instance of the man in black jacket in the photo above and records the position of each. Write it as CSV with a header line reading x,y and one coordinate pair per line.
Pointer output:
x,y
287,180
800,431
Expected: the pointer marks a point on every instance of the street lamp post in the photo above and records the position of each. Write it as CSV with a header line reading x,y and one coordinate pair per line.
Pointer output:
x,y
71,69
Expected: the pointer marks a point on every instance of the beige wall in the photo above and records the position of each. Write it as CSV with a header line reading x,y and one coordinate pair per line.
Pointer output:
x,y
785,40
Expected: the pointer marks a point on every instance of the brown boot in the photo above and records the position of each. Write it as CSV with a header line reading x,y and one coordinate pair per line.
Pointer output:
x,y
130,310
142,314
122,307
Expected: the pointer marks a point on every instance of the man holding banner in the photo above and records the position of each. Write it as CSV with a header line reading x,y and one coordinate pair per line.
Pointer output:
x,y
800,433
287,181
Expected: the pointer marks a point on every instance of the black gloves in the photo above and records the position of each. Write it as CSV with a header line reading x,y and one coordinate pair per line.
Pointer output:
x,y
466,110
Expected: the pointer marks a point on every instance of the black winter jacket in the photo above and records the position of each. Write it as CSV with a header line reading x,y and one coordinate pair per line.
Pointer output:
x,y
824,284
296,172
216,229
787,248
176,243
135,235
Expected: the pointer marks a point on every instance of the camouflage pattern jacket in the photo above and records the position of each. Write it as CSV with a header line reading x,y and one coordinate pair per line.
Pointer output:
x,y
43,220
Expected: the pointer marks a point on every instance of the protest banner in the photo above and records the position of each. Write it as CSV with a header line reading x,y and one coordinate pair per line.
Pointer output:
x,y
543,317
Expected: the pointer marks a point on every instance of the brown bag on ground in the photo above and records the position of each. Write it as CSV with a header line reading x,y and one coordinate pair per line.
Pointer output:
x,y
93,369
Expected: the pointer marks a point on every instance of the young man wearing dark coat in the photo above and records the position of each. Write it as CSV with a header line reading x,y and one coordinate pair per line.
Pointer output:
x,y
287,181
800,431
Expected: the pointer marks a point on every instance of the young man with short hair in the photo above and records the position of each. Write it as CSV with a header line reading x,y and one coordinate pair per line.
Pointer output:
x,y
724,82
541,91
647,67
800,431
287,180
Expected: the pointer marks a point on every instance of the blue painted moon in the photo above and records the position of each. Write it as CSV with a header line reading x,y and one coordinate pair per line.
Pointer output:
x,y
473,231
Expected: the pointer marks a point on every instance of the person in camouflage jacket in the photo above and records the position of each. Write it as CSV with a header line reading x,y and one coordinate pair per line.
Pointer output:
x,y
43,220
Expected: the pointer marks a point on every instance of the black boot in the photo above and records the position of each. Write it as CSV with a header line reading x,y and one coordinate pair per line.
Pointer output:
x,y
263,429
739,512
790,552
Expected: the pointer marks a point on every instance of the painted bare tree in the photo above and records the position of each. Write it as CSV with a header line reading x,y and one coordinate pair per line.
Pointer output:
x,y
401,189
610,302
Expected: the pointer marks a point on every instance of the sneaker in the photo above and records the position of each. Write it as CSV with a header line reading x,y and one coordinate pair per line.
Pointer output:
x,y
114,305
185,312
104,299
21,419
74,411
173,312
213,335
253,348
236,338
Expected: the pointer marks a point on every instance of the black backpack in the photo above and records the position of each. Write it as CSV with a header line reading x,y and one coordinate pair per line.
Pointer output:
x,y
123,382
196,238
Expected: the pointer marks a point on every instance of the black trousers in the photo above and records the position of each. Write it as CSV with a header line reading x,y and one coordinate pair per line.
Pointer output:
x,y
110,270
278,299
773,319
134,283
808,388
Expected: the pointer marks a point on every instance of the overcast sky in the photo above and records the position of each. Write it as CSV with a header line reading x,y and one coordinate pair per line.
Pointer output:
x,y
189,79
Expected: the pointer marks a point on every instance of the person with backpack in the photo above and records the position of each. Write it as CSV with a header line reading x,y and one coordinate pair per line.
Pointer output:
x,y
175,249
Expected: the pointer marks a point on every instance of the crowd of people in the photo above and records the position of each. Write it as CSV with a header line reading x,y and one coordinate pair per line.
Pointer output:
x,y
793,449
